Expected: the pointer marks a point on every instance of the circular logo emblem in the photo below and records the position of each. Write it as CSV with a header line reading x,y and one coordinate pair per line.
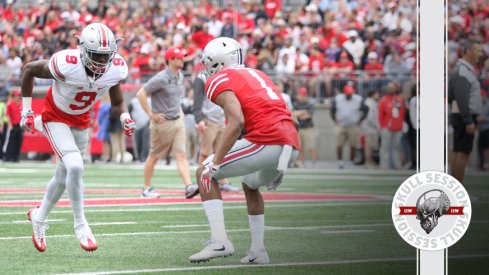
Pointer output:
x,y
431,210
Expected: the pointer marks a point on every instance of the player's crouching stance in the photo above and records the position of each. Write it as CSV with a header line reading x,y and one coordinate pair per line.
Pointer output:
x,y
250,100
80,77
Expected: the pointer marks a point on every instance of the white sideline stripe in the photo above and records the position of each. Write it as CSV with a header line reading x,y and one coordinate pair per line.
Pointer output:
x,y
387,179
338,262
185,225
346,231
167,232
63,220
27,221
111,223
317,227
199,208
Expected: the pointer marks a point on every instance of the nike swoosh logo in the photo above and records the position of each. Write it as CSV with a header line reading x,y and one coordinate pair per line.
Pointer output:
x,y
220,249
252,260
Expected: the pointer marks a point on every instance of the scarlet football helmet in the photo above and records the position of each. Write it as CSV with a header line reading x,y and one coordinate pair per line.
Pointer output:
x,y
98,46
221,53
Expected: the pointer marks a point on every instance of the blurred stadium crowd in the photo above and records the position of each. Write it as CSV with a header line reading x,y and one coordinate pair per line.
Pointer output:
x,y
322,42
469,21
318,44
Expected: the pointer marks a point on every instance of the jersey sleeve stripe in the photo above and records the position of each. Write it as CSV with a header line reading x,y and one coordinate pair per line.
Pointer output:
x,y
211,85
215,87
57,73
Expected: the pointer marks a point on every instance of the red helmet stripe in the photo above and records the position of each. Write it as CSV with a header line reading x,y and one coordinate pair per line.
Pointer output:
x,y
104,35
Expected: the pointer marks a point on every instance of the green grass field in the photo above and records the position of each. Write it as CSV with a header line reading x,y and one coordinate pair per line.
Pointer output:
x,y
333,235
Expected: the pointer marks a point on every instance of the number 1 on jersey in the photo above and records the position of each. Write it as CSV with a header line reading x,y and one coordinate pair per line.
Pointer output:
x,y
271,94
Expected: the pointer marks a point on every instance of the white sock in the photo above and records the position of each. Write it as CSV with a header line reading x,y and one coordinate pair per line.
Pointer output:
x,y
257,229
56,188
215,215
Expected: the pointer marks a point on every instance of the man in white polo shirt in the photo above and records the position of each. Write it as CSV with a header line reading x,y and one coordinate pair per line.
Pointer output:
x,y
348,111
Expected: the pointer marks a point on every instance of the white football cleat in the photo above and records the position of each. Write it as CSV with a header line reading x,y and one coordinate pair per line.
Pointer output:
x,y
213,249
260,257
228,187
38,230
191,190
150,193
87,240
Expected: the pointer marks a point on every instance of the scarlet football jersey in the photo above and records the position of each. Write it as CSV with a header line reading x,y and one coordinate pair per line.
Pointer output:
x,y
267,120
71,96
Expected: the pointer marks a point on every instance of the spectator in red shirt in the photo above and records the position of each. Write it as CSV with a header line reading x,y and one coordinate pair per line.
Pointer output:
x,y
141,68
271,7
374,72
251,60
16,135
202,36
341,71
319,81
392,113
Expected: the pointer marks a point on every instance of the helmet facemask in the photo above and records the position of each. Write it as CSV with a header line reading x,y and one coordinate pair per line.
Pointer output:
x,y
89,59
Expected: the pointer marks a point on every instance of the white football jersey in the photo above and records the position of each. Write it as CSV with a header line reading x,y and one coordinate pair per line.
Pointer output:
x,y
72,93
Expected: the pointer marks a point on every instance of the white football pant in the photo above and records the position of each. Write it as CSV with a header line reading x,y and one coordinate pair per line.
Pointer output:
x,y
68,143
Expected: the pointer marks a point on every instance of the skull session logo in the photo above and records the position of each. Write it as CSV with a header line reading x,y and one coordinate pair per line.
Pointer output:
x,y
431,210
428,210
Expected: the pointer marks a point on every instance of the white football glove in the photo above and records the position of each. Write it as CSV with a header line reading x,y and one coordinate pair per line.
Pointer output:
x,y
127,124
27,121
208,172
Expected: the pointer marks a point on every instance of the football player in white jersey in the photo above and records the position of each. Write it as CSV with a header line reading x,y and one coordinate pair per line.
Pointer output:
x,y
80,77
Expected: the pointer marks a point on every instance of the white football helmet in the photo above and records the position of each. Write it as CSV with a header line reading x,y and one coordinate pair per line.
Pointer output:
x,y
98,46
221,53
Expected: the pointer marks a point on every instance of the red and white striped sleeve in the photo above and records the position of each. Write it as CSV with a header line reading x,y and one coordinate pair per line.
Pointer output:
x,y
217,84
56,67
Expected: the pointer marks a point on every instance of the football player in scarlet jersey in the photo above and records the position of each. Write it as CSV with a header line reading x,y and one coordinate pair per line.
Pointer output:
x,y
251,103
80,77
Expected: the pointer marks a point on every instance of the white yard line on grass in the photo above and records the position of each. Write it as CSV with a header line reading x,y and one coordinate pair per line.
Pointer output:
x,y
346,231
363,178
185,225
27,221
199,208
220,267
174,232
112,223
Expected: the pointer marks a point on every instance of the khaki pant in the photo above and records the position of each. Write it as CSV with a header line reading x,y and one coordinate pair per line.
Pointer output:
x,y
211,137
350,134
169,135
307,138
372,141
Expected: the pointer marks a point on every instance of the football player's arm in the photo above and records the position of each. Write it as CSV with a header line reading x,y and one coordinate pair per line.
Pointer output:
x,y
30,71
117,100
235,121
120,109
39,69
